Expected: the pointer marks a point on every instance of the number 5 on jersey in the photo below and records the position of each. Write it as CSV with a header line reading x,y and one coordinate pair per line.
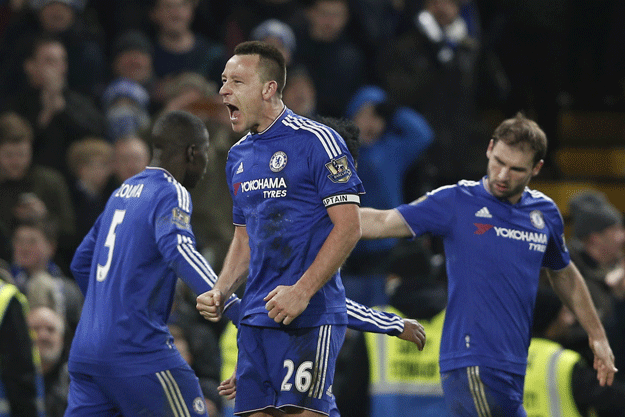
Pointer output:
x,y
103,270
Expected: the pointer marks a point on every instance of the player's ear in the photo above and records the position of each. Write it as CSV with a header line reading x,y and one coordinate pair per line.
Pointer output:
x,y
270,88
190,153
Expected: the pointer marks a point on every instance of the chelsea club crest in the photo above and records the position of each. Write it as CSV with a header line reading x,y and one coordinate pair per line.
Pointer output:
x,y
277,161
536,217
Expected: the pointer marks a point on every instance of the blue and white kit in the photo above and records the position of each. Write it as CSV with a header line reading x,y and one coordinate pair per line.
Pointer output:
x,y
494,252
127,267
282,181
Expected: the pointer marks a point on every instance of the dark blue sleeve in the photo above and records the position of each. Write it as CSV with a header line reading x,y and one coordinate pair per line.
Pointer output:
x,y
331,165
81,262
232,310
176,241
557,254
365,319
433,212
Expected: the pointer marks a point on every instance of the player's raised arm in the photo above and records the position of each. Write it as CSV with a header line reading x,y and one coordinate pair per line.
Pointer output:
x,y
380,224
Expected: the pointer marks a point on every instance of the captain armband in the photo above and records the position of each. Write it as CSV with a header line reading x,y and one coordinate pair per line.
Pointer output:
x,y
341,199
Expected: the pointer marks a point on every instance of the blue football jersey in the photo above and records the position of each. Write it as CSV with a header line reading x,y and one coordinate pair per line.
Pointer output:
x,y
127,267
282,181
494,252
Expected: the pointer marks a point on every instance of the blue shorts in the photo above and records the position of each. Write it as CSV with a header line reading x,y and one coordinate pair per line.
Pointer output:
x,y
281,367
478,391
174,392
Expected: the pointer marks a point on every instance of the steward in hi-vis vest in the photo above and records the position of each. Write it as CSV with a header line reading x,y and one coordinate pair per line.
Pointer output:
x,y
21,383
548,388
405,381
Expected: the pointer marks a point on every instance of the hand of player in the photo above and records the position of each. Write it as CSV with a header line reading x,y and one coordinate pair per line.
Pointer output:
x,y
210,305
604,361
285,303
413,332
228,388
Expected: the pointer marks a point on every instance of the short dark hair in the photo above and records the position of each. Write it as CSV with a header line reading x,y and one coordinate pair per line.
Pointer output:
x,y
48,226
521,131
178,129
271,60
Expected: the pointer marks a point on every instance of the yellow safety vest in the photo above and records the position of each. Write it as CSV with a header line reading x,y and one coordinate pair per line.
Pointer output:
x,y
398,367
7,293
548,390
229,352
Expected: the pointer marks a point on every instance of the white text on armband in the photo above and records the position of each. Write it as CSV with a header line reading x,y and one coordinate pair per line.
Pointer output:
x,y
341,199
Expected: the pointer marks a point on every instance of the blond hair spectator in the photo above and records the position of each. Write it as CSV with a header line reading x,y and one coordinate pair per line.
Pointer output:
x,y
90,161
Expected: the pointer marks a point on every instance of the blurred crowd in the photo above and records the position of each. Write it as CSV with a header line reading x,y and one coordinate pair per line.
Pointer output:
x,y
82,80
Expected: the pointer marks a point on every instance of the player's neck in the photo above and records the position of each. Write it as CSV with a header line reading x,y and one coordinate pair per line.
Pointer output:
x,y
272,113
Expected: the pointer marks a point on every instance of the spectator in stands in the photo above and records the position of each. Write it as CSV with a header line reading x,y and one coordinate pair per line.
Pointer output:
x,y
132,56
432,68
91,163
58,114
126,105
48,325
597,250
29,190
34,246
20,375
131,156
300,93
246,16
279,34
212,206
392,139
64,20
192,92
559,378
529,38
177,48
335,62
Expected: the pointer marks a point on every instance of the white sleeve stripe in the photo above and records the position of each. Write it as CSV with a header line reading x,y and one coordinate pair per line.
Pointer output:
x,y
290,124
297,124
390,326
188,246
201,262
372,316
183,194
179,196
184,203
326,134
212,275
184,249
323,137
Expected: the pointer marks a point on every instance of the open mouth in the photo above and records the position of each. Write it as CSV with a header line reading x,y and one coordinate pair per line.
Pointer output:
x,y
234,112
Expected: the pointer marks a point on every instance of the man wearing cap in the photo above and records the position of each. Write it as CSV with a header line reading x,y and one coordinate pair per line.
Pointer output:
x,y
126,105
597,250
